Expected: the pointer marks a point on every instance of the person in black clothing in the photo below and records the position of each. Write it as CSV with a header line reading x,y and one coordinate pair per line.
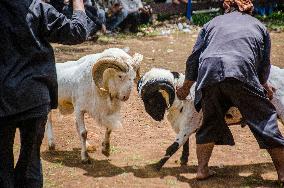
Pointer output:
x,y
135,19
28,85
57,4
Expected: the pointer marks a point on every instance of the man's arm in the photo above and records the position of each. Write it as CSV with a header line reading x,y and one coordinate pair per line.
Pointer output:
x,y
184,91
57,28
265,65
78,5
192,63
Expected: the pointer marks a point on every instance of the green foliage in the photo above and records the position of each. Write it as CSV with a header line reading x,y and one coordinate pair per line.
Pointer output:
x,y
274,21
202,18
148,1
274,17
162,17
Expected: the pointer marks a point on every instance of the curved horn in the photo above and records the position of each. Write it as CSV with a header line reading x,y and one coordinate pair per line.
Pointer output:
x,y
104,63
157,96
166,96
164,87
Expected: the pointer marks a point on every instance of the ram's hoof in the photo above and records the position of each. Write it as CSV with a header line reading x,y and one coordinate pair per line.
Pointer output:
x,y
183,162
86,161
51,147
106,153
91,148
106,149
156,167
85,158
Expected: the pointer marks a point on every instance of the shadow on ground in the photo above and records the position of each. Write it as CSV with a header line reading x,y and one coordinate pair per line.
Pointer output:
x,y
227,176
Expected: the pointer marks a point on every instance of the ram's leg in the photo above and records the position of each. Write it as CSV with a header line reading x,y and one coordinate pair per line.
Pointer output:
x,y
185,153
169,152
50,135
181,139
106,143
82,132
90,148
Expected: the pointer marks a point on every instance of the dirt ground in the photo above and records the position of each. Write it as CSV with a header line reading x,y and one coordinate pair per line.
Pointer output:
x,y
143,141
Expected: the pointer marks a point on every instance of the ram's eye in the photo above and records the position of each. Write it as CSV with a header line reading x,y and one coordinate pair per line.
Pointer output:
x,y
119,76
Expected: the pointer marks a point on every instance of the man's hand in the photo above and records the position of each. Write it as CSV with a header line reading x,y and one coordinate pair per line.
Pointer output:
x,y
183,91
116,8
104,29
78,5
270,90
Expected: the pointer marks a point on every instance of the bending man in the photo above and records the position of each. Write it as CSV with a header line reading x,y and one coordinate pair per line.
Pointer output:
x,y
230,65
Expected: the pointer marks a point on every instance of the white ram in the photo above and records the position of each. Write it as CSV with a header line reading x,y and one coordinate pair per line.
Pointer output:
x,y
96,84
157,90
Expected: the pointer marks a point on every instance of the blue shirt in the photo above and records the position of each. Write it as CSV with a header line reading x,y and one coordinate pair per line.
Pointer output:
x,y
234,45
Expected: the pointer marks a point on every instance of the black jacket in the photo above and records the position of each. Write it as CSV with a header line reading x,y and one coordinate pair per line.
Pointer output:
x,y
234,45
27,64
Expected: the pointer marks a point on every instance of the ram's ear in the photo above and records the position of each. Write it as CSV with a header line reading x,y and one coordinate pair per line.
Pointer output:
x,y
136,62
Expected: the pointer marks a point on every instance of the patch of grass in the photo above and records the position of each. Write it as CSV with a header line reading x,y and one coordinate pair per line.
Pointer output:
x,y
275,21
104,39
124,174
71,172
202,18
117,38
147,30
252,181
114,149
265,154
171,182
50,168
48,183
134,158
152,161
163,17
137,157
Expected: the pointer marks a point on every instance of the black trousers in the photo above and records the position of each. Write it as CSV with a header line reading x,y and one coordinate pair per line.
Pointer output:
x,y
28,170
255,107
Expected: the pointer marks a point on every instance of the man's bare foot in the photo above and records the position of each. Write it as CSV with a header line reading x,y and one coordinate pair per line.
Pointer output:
x,y
280,172
277,155
203,174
